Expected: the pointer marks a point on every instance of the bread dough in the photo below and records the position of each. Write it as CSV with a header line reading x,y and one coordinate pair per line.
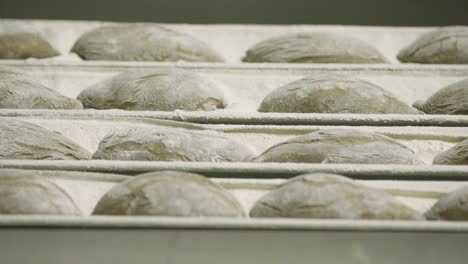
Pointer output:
x,y
450,100
333,93
157,90
21,45
340,146
142,42
316,47
321,195
445,45
23,140
169,193
457,155
22,193
19,91
157,144
452,206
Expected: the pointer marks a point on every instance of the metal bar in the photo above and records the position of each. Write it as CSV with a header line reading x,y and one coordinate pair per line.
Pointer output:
x,y
237,67
252,170
213,223
253,118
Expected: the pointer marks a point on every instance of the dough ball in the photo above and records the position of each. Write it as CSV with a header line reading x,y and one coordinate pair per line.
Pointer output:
x,y
22,193
340,146
333,93
19,46
317,47
23,140
169,193
19,91
452,206
450,100
457,155
142,42
321,195
445,45
155,90
156,144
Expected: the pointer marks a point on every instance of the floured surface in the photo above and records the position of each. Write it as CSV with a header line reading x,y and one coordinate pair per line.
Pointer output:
x,y
417,195
231,41
426,142
244,89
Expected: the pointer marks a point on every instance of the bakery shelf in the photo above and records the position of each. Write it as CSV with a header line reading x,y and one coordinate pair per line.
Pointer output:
x,y
243,85
249,170
88,130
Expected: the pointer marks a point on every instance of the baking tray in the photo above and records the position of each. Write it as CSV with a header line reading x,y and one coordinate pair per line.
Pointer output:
x,y
231,41
88,131
244,86
86,188
104,239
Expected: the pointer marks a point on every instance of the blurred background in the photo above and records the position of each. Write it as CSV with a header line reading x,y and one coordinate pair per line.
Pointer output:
x,y
356,12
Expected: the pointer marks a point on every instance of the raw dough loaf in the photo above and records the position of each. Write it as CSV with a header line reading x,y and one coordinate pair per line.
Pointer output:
x,y
22,193
457,155
16,46
450,100
142,42
445,45
157,144
320,195
18,91
22,140
452,206
158,90
317,47
333,93
169,193
340,146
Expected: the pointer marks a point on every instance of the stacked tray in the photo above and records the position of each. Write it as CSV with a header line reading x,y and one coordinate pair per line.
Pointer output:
x,y
245,85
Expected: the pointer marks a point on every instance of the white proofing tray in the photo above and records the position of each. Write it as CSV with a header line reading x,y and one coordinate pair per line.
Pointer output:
x,y
88,131
231,41
86,188
124,239
56,239
244,86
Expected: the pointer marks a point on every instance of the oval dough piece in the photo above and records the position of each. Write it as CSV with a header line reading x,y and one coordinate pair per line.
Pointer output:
x,y
18,91
317,47
155,144
445,45
450,100
142,42
321,195
457,155
22,193
340,146
157,90
453,206
25,45
169,193
333,93
22,140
